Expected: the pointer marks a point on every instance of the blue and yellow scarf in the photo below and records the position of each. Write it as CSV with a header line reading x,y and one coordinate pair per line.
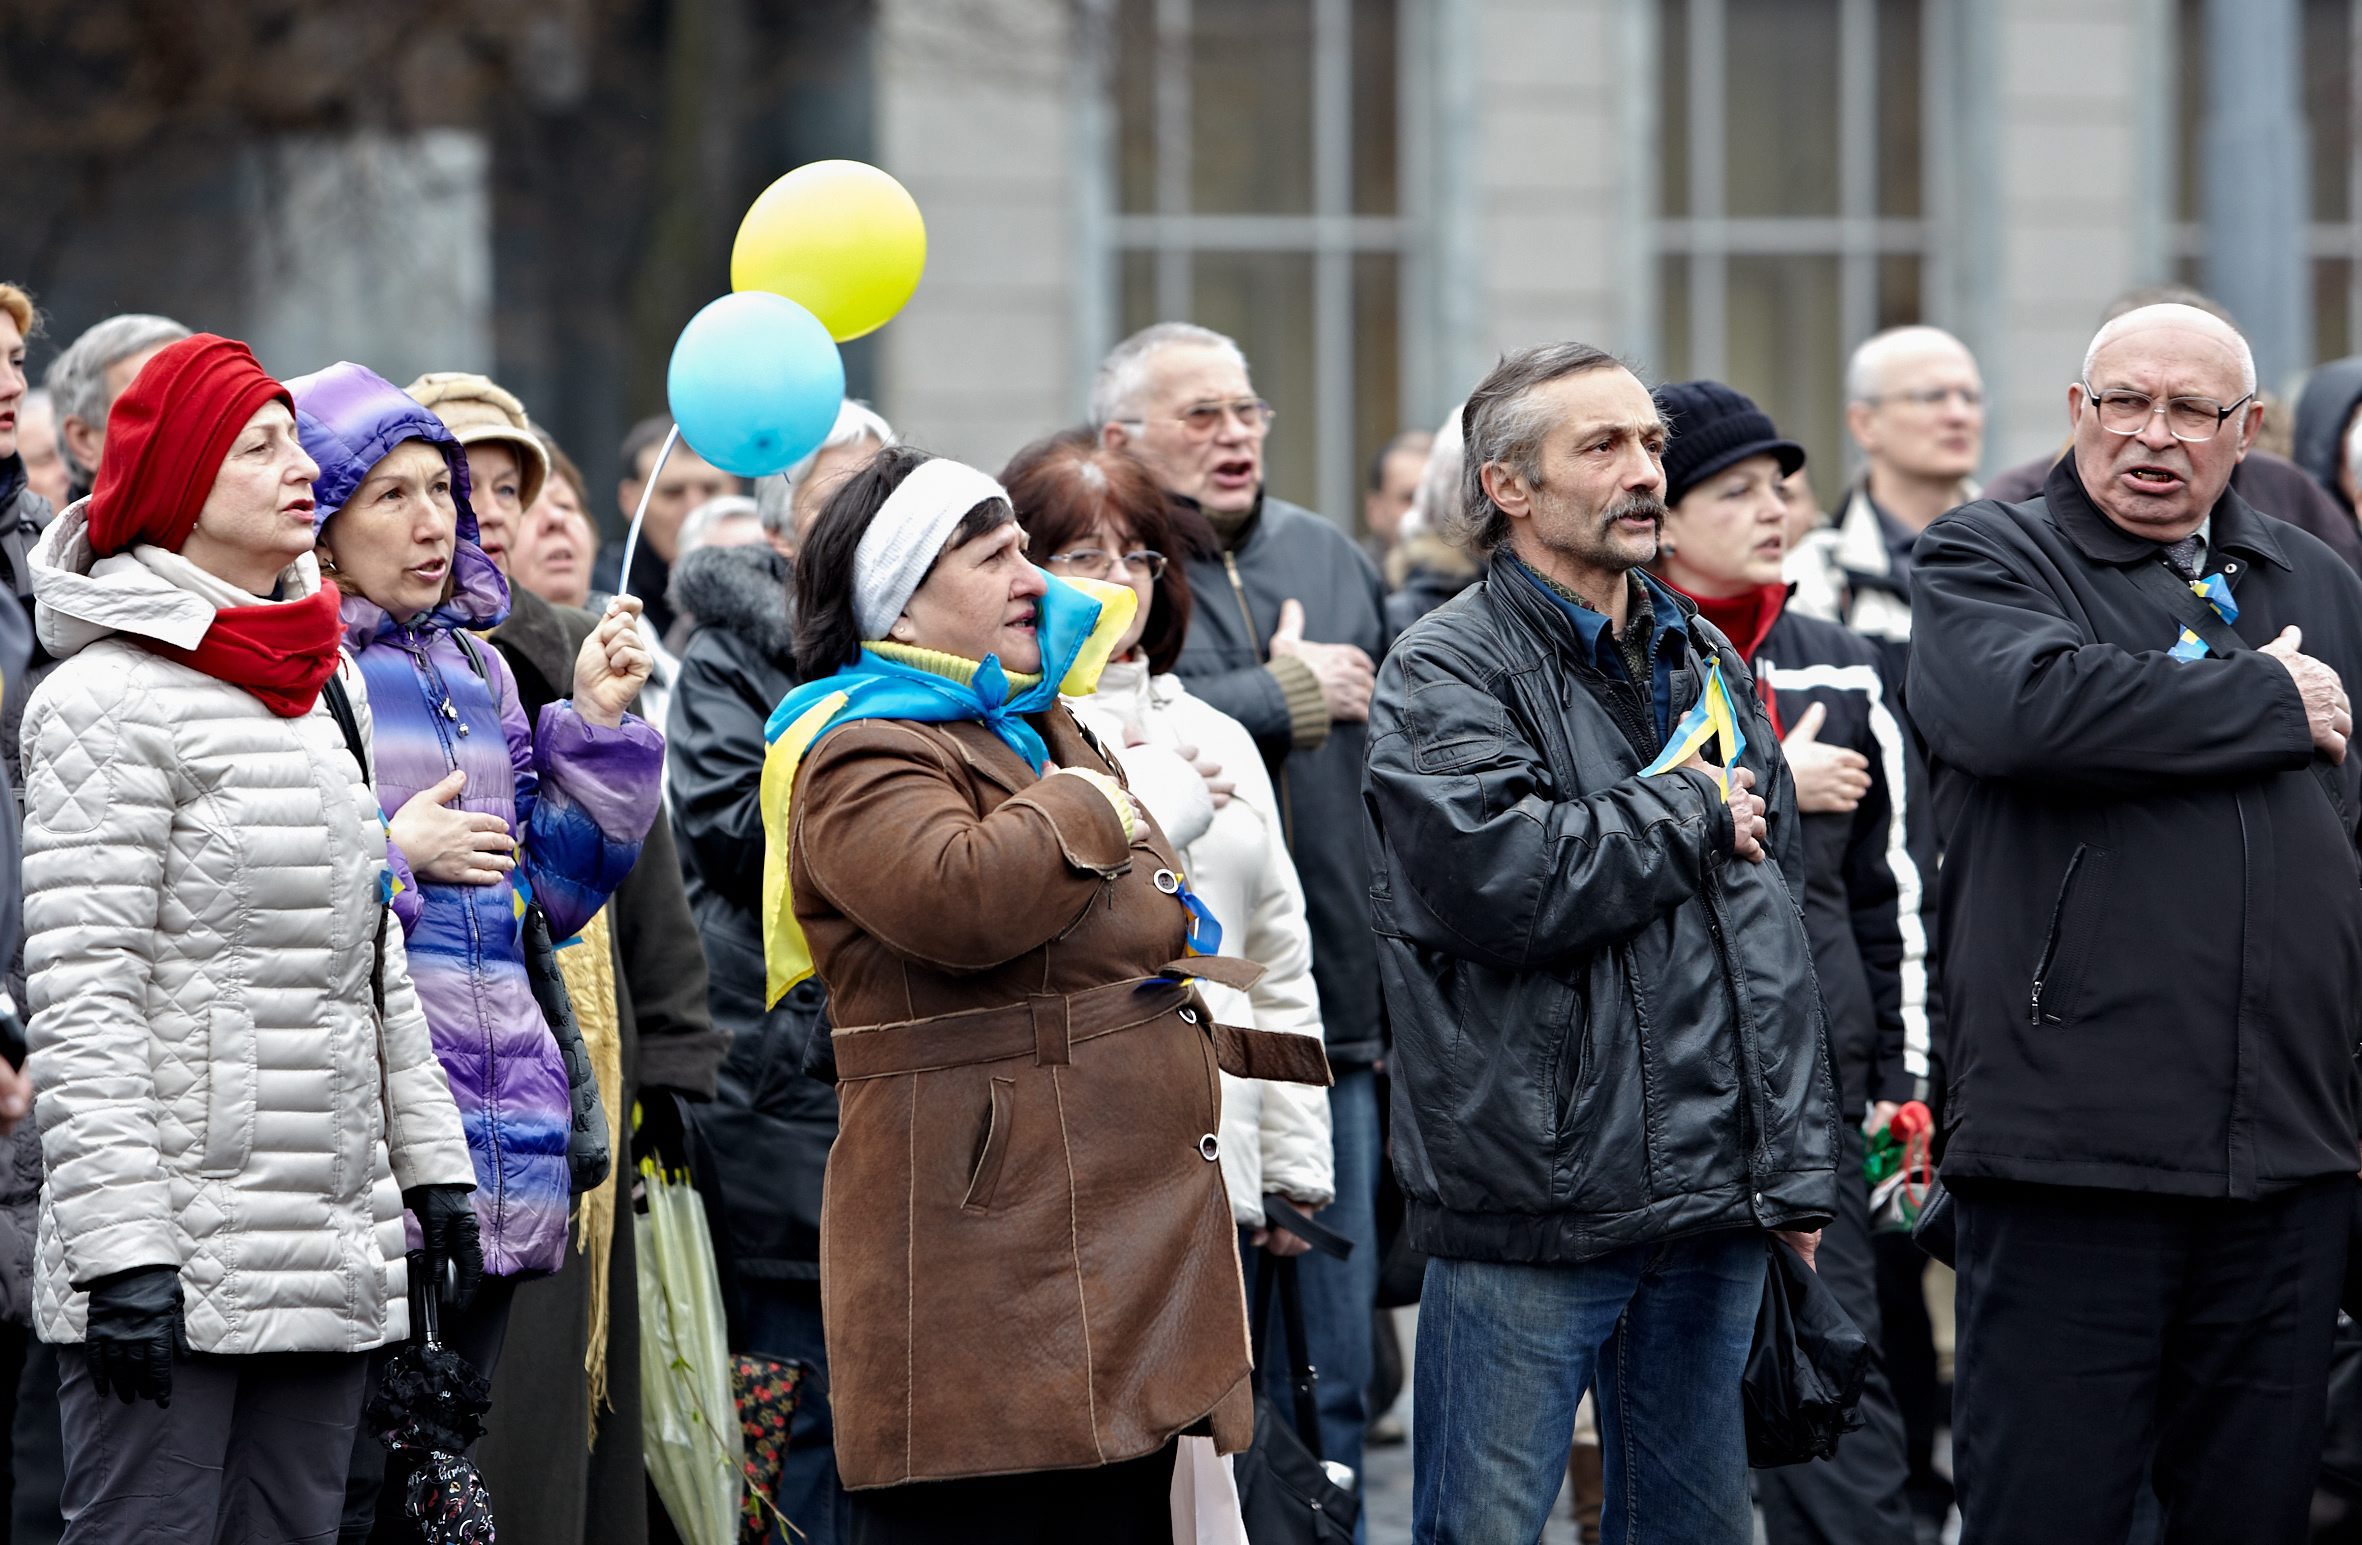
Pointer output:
x,y
1079,624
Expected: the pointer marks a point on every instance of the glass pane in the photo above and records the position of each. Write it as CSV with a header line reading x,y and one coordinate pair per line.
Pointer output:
x,y
2329,103
1899,302
1377,362
1673,106
1784,350
1900,50
2333,308
1376,96
1673,349
1137,302
2190,111
1780,98
1134,83
1250,110
1264,300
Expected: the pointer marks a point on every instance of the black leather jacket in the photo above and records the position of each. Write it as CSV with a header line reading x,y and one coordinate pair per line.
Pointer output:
x,y
1606,1029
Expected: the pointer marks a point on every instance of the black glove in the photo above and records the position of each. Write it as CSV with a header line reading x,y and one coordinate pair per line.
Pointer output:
x,y
447,1230
135,1328
661,1131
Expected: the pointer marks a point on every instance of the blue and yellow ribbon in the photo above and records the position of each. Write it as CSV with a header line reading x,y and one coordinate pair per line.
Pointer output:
x,y
1079,624
2217,594
1711,717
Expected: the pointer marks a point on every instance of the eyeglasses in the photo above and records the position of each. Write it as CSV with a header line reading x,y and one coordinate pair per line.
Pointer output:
x,y
1933,397
2194,419
1202,421
1099,563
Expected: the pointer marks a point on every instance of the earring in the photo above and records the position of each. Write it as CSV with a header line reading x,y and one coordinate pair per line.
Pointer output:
x,y
901,630
328,564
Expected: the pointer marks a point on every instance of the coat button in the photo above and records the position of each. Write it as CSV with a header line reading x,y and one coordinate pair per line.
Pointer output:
x,y
1209,1148
1168,882
1189,1016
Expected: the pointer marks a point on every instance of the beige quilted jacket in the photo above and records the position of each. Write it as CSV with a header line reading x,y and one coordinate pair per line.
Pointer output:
x,y
201,896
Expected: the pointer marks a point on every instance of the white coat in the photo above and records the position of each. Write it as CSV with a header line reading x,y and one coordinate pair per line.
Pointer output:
x,y
216,1090
1275,1137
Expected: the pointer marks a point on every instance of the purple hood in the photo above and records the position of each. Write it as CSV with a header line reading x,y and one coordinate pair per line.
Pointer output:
x,y
349,418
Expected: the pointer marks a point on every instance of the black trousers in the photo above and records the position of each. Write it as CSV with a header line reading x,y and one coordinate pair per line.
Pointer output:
x,y
250,1452
1856,1497
1130,1503
2106,1336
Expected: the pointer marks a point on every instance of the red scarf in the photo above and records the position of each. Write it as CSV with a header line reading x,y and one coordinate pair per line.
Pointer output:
x,y
283,652
1746,620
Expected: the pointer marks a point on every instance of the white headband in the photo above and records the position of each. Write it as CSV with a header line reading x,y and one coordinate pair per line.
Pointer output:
x,y
907,535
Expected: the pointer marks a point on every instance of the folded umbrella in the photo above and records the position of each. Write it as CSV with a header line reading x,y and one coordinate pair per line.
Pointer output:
x,y
429,1407
689,1421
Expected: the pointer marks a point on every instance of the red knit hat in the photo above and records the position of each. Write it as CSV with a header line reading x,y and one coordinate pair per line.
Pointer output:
x,y
166,438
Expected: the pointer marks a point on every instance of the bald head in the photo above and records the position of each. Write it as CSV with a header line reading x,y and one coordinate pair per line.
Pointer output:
x,y
1915,404
2185,330
1885,358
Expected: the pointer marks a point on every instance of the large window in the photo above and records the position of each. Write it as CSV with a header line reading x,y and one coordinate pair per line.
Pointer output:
x,y
1791,207
2332,36
1256,190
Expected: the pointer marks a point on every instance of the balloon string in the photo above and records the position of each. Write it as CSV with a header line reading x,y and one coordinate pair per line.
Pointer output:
x,y
631,540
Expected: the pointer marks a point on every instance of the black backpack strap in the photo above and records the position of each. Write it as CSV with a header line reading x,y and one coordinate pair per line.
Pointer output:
x,y
2170,590
340,704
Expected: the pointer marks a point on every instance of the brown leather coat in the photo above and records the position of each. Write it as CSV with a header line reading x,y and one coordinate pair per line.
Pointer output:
x,y
1026,1255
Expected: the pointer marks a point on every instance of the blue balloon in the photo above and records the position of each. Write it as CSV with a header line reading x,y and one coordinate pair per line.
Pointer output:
x,y
755,383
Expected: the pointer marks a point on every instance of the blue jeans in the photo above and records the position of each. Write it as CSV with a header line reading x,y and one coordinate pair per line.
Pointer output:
x,y
1340,1297
783,1320
1505,1353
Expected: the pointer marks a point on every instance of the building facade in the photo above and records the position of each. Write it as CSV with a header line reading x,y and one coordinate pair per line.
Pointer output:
x,y
1377,196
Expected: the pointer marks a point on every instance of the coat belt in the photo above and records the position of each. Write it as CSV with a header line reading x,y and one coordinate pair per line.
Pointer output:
x,y
1047,1026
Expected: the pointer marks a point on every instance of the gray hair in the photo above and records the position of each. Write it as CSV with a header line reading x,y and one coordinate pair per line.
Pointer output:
x,y
1115,391
1433,501
697,527
77,378
1865,372
775,496
1504,422
2177,312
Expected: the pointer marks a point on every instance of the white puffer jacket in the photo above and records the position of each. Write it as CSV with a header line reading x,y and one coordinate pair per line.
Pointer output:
x,y
202,881
1275,1136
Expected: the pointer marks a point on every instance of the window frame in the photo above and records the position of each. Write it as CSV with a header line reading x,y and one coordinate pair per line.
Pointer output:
x,y
1858,236
1173,235
2333,240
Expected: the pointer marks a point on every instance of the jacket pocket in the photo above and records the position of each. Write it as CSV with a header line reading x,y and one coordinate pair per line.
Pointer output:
x,y
231,1078
987,1176
2066,946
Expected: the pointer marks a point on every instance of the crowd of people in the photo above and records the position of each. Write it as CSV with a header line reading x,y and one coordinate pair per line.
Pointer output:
x,y
1046,907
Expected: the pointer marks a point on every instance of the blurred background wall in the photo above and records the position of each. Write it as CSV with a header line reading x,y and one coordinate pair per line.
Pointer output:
x,y
1374,196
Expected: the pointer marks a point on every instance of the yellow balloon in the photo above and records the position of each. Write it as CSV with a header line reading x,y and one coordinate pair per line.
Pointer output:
x,y
839,238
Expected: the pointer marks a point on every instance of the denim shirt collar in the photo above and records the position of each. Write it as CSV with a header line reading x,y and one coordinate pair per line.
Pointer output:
x,y
1599,646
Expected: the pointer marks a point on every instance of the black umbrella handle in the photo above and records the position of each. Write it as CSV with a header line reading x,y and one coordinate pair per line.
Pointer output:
x,y
430,1300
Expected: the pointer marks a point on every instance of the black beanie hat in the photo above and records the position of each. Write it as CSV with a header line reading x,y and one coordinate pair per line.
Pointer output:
x,y
1714,427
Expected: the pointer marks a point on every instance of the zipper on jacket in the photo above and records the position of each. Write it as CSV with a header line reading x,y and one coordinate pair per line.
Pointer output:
x,y
419,652
2050,942
1246,614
